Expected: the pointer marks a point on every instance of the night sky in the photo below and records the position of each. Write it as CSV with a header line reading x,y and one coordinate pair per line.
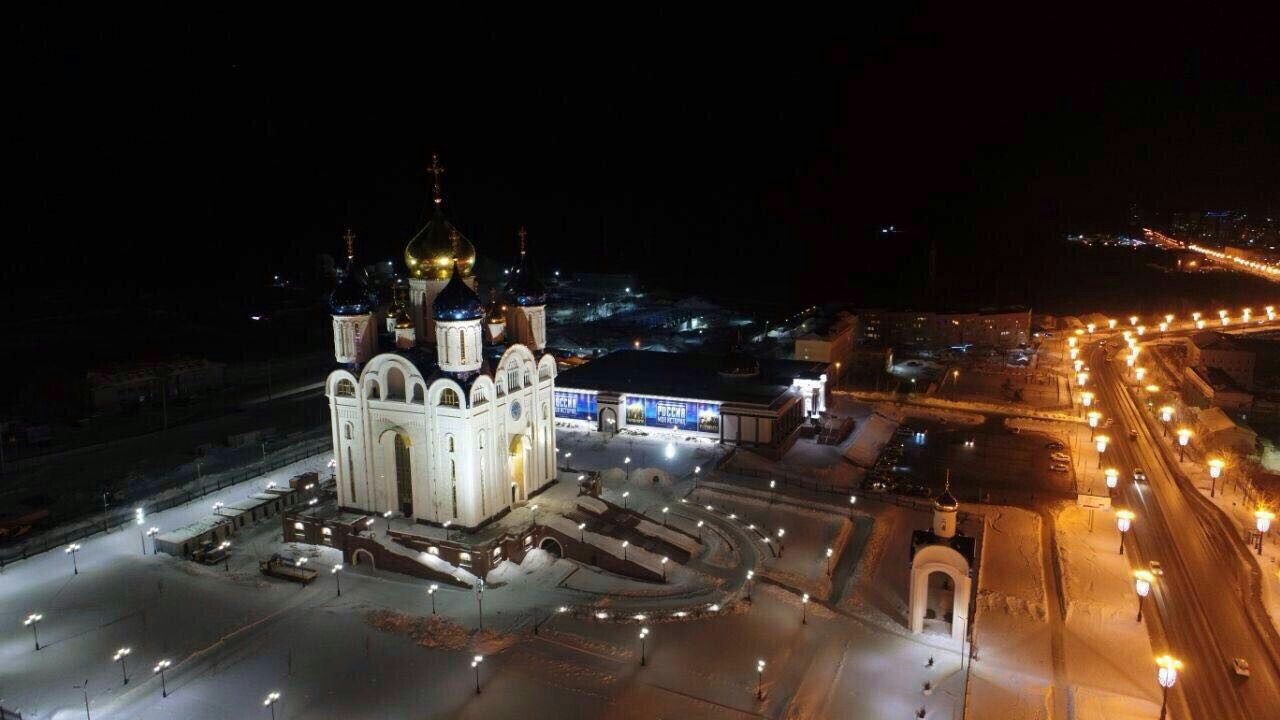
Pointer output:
x,y
729,160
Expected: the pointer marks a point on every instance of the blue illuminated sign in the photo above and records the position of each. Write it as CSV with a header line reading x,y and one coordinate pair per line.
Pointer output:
x,y
680,414
575,405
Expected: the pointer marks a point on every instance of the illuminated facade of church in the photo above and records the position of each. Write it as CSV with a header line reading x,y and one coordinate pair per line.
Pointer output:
x,y
454,423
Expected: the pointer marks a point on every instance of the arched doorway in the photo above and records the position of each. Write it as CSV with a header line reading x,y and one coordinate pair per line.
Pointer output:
x,y
608,420
552,546
366,555
404,475
940,591
518,467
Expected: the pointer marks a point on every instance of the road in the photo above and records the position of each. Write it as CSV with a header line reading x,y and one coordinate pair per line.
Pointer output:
x,y
1200,612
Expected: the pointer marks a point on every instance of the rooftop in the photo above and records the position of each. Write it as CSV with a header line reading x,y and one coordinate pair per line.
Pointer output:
x,y
687,375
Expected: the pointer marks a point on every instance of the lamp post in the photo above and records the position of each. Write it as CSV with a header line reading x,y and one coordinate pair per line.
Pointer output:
x,y
1166,675
71,550
1184,437
475,665
1113,478
644,633
781,532
853,500
750,574
1111,324
226,556
152,532
1123,519
337,577
119,657
139,517
431,591
582,533
33,621
1100,443
828,562
665,510
160,668
760,679
270,702
1263,519
773,488
1215,472
1166,415
625,494
480,604
625,543
1142,580
1139,373
804,609
664,562
1094,416
700,524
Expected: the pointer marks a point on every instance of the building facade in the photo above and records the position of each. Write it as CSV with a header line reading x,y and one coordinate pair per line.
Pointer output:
x,y
451,425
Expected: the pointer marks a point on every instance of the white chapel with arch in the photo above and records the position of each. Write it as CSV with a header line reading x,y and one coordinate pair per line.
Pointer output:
x,y
941,571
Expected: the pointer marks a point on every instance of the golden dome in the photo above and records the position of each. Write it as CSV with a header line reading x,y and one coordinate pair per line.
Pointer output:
x,y
431,251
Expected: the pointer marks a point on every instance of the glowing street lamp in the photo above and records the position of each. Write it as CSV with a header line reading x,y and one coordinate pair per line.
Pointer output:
x,y
1195,316
665,510
1086,398
1199,324
1100,442
71,550
625,494
1113,477
1168,318
664,562
700,524
1222,315
1133,319
1263,518
625,543
270,702
1164,327
1139,372
781,532
804,609
119,657
1166,675
1124,518
1184,437
159,669
1090,328
1111,323
1094,416
1077,365
853,500
1271,312
1166,415
334,571
644,634
33,622
431,591
475,665
1071,342
152,532
1142,329
1072,354
1142,580
226,556
759,679
1081,378
750,574
1215,472
828,562
582,533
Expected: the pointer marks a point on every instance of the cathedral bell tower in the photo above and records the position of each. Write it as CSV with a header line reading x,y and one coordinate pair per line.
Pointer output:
x,y
355,332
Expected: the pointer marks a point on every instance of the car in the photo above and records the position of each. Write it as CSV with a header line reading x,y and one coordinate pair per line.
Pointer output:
x,y
1138,475
1060,456
1058,467
1055,446
1156,569
1133,434
1240,666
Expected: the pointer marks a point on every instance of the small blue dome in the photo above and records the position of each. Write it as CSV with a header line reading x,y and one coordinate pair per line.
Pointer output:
x,y
350,297
457,301
525,289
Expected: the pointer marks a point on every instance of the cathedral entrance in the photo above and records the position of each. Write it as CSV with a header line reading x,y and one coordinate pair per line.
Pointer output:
x,y
518,463
404,475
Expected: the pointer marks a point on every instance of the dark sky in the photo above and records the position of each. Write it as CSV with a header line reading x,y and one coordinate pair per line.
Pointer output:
x,y
752,159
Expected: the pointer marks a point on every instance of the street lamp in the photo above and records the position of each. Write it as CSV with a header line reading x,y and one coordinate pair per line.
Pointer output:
x,y
625,543
759,679
1142,329
1184,437
1133,319
1082,378
750,574
853,500
226,556
582,533
33,621
1113,477
152,532
336,577
644,633
160,668
1086,398
272,699
664,562
1166,415
1077,364
1100,442
828,562
1164,327
1111,323
1215,472
1142,580
1139,372
1123,520
1263,519
665,509
1166,675
700,523
1094,416
804,609
1090,327
139,517
431,591
781,532
475,665
71,550
480,604
119,657
626,494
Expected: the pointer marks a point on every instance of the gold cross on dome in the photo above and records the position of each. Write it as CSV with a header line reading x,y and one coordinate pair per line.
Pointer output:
x,y
436,170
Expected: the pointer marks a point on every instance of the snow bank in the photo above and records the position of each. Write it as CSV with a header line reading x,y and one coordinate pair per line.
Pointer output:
x,y
592,505
673,537
870,438
425,558
613,546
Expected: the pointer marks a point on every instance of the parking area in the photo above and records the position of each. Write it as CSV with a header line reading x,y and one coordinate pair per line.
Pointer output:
x,y
985,461
987,383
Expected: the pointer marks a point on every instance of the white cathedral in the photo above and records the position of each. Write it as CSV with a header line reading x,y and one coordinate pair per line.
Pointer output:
x,y
455,424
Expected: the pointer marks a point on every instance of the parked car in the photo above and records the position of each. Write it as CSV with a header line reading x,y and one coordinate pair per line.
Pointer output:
x,y
1055,445
1058,467
1138,475
1156,569
1133,434
1240,666
1060,456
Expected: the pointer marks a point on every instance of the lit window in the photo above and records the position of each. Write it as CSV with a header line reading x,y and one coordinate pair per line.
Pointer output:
x,y
464,557
297,526
449,398
433,550
327,531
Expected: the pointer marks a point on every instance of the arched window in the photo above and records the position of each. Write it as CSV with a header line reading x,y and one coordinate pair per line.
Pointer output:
x,y
345,388
419,394
449,398
453,482
462,346
395,384
373,393
404,475
525,381
450,440
346,431
478,397
480,439
502,386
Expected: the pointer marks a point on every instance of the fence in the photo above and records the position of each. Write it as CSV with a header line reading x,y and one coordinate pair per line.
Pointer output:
x,y
194,491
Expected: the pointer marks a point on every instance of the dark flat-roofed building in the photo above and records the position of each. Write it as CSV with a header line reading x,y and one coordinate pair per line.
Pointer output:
x,y
734,398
